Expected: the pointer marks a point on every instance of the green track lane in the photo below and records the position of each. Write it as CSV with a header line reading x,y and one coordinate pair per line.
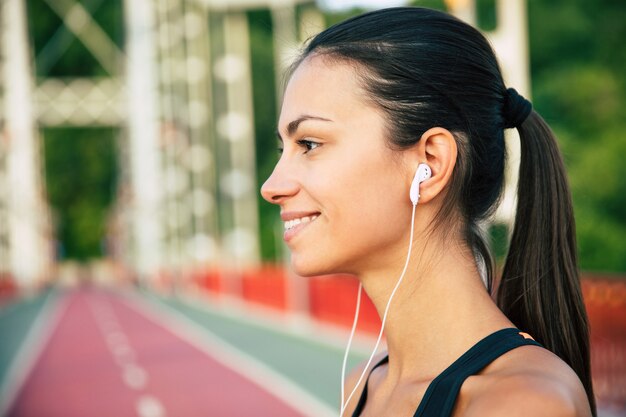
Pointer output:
x,y
16,320
313,365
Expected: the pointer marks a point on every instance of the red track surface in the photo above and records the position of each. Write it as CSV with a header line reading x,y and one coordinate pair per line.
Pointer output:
x,y
107,359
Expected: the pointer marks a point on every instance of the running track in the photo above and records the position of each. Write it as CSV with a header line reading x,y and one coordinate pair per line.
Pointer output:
x,y
109,357
95,353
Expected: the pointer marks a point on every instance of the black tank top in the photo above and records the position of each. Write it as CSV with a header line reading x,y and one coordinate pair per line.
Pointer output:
x,y
441,394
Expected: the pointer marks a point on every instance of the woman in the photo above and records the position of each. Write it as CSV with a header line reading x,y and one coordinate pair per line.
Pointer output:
x,y
370,100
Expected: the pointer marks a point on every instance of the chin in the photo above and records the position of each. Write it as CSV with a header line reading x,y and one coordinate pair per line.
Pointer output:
x,y
305,270
312,268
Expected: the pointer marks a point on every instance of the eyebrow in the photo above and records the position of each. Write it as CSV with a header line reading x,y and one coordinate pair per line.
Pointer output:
x,y
292,127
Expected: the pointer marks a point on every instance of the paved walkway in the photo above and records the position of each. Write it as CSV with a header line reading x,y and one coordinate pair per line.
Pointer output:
x,y
93,352
16,319
305,357
110,355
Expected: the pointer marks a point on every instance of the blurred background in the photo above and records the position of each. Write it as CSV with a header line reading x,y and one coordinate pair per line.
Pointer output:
x,y
134,138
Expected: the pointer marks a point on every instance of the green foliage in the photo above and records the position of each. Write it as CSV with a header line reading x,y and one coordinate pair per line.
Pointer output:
x,y
599,191
499,241
81,175
80,164
579,85
265,121
58,52
486,14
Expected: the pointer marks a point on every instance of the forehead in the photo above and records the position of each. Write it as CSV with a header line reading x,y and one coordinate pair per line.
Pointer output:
x,y
323,87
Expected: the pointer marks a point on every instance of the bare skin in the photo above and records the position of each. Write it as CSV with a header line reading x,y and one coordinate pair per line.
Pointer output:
x,y
359,188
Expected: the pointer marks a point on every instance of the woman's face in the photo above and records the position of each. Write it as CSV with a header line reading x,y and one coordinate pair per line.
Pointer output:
x,y
336,170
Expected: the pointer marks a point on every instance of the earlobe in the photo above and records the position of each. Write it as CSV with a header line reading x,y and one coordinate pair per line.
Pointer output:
x,y
438,148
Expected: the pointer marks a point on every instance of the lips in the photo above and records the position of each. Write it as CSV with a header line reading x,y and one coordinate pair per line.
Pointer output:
x,y
296,222
291,215
293,223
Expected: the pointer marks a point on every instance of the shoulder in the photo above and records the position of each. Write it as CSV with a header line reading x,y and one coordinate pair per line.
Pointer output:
x,y
528,395
353,377
529,381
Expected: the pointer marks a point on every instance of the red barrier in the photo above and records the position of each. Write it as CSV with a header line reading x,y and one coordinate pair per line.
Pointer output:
x,y
266,286
605,300
209,280
332,299
8,288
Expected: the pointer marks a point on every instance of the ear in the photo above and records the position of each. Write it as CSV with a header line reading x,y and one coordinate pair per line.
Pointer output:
x,y
437,147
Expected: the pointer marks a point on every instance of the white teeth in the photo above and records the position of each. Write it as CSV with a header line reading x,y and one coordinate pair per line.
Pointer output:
x,y
292,223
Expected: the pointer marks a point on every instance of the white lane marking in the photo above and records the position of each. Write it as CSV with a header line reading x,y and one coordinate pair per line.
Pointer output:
x,y
32,347
105,318
122,350
103,313
126,360
110,325
116,338
281,387
135,376
113,334
149,406
124,357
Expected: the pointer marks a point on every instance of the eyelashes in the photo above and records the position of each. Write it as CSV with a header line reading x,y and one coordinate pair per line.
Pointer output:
x,y
307,145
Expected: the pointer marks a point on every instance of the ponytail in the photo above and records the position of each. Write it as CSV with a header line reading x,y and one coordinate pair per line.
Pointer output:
x,y
540,288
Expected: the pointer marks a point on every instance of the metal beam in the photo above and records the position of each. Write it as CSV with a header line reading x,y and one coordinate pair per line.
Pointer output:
x,y
80,102
29,232
236,128
243,5
144,156
59,43
80,22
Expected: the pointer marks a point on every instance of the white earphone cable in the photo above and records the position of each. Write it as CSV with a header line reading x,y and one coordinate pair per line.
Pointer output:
x,y
382,326
345,356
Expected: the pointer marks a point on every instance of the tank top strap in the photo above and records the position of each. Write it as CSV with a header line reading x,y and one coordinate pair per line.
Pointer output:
x,y
442,392
363,399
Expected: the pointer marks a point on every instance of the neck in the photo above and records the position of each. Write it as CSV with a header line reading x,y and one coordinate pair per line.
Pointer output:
x,y
439,311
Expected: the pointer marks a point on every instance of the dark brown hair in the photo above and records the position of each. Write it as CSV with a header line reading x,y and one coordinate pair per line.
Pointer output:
x,y
425,68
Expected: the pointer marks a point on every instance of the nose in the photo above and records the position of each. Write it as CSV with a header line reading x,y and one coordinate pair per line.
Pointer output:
x,y
279,186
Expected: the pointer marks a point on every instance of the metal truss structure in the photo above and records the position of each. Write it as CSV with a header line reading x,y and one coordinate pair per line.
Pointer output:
x,y
26,249
181,94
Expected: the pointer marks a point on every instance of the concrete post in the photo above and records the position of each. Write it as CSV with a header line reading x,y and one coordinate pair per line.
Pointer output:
x,y
28,217
144,153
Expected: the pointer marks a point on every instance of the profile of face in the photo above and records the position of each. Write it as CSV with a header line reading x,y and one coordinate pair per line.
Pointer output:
x,y
336,167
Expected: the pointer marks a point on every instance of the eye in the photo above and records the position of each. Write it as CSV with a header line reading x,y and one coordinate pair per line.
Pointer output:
x,y
308,144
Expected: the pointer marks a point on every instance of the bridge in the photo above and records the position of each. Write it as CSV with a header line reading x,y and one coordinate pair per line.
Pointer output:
x,y
184,234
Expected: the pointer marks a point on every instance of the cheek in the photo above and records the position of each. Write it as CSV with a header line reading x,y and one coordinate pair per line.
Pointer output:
x,y
366,209
379,221
375,192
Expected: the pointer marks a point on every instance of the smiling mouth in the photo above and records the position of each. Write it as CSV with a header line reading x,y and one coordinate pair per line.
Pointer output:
x,y
290,224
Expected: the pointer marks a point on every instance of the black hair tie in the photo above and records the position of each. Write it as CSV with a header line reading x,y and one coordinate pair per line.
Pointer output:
x,y
516,109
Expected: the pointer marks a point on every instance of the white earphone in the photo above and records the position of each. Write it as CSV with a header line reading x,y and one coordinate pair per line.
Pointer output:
x,y
422,173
